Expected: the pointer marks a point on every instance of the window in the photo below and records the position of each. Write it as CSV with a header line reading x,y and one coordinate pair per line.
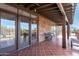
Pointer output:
x,y
24,32
7,32
34,31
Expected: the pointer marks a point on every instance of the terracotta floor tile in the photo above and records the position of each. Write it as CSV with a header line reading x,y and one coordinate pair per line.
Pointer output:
x,y
46,48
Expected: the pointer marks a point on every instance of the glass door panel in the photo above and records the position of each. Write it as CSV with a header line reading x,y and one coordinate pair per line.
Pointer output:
x,y
24,33
7,32
34,32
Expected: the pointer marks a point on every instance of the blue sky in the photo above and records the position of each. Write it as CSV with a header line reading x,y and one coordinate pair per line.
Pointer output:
x,y
76,18
11,24
7,23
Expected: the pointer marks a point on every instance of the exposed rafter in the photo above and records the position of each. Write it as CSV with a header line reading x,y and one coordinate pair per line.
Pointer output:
x,y
51,14
29,5
67,4
52,11
68,8
47,9
44,6
62,11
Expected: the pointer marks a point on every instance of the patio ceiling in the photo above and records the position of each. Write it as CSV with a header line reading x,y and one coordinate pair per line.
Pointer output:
x,y
48,10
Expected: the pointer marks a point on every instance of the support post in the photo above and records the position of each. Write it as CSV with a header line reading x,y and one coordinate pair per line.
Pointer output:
x,y
68,30
17,26
63,34
30,34
38,29
68,34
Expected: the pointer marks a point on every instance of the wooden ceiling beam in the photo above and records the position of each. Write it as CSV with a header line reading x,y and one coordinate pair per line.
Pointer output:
x,y
62,11
50,14
52,18
68,8
66,4
56,17
56,21
69,14
44,6
22,8
53,11
37,4
29,6
69,11
46,9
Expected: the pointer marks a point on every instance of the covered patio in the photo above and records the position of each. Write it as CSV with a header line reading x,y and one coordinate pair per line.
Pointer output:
x,y
39,18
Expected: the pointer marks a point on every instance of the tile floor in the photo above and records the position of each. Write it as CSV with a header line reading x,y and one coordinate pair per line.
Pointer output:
x,y
46,48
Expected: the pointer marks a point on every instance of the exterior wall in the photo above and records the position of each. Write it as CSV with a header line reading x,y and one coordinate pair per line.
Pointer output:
x,y
44,27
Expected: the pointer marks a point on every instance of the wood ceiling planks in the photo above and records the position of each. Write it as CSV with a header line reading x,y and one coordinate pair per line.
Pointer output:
x,y
49,10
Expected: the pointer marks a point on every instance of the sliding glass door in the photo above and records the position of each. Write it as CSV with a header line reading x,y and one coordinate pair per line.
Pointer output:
x,y
7,32
34,31
15,33
24,32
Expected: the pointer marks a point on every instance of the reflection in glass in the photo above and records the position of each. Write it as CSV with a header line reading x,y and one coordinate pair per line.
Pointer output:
x,y
34,31
24,33
7,33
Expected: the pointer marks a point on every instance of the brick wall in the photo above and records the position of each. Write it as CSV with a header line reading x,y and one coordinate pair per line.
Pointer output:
x,y
44,27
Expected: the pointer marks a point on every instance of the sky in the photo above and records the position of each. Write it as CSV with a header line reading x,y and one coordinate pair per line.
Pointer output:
x,y
76,17
11,24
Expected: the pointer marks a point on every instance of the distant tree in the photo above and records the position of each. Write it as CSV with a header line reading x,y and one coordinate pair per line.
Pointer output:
x,y
73,29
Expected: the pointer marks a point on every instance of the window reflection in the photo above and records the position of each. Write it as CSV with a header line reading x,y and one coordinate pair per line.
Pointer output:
x,y
34,31
7,32
24,32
